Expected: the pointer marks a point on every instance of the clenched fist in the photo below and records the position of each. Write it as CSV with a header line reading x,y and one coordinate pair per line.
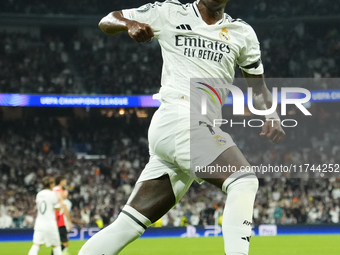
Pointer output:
x,y
140,32
273,131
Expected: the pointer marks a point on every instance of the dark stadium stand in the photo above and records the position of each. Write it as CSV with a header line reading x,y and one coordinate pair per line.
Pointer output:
x,y
258,8
99,64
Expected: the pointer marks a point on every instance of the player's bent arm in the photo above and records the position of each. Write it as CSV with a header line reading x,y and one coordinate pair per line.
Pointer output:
x,y
66,212
115,23
263,100
261,95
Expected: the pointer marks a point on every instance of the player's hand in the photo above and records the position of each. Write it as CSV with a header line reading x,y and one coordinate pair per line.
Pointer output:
x,y
140,32
273,131
70,225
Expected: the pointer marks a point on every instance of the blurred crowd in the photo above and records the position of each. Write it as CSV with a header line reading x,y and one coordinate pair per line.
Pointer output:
x,y
32,149
100,64
258,8
100,184
31,65
84,65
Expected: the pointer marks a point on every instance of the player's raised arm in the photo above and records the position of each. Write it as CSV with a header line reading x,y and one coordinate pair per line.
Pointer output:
x,y
115,23
263,100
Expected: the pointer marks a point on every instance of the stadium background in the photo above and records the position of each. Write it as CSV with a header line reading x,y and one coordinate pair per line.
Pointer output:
x,y
55,48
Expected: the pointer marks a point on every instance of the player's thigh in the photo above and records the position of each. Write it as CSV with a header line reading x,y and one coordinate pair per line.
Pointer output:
x,y
153,198
230,161
160,186
52,238
38,237
47,237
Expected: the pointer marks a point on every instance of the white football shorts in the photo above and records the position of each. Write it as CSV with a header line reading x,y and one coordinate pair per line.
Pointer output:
x,y
49,238
178,148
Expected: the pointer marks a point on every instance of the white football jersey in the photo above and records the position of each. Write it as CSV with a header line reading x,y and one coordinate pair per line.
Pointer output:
x,y
47,201
193,49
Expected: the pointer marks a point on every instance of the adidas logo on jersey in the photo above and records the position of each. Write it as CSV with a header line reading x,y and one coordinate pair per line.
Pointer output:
x,y
246,238
184,27
248,223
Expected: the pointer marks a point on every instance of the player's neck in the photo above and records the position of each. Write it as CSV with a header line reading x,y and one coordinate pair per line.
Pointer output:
x,y
211,14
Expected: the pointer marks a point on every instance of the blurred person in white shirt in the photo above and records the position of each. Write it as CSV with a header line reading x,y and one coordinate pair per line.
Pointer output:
x,y
334,213
5,220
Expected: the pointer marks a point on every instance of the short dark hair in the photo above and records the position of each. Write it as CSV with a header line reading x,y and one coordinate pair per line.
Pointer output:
x,y
47,181
59,178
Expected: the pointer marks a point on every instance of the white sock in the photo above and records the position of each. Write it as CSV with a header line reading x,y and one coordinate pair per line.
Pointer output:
x,y
129,225
241,189
57,250
34,250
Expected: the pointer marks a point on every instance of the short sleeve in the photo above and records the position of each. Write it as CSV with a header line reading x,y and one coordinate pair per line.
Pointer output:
x,y
151,14
55,200
250,56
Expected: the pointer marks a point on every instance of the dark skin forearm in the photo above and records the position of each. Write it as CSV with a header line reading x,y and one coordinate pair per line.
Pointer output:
x,y
262,101
115,23
261,95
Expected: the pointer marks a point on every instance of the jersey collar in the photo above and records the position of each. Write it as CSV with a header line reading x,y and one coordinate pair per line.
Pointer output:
x,y
198,14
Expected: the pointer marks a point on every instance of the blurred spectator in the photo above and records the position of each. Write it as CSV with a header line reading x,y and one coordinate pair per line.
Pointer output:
x,y
334,213
5,220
